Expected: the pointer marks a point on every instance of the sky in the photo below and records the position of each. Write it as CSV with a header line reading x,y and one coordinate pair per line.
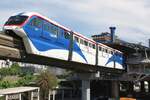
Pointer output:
x,y
130,17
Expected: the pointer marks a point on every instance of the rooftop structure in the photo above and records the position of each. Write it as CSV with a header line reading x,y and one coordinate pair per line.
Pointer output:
x,y
106,37
17,92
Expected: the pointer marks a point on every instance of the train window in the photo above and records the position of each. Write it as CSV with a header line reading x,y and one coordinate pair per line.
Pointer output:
x,y
85,43
16,20
54,29
81,41
112,52
66,35
46,27
61,32
93,45
103,49
100,48
37,22
90,45
106,50
76,39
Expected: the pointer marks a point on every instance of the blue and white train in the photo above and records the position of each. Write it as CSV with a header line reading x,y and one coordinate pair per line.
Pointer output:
x,y
45,37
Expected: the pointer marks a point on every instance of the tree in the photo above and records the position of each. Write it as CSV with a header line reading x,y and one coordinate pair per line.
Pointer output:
x,y
15,69
46,81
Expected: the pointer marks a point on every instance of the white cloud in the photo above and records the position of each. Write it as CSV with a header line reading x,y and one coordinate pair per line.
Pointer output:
x,y
131,17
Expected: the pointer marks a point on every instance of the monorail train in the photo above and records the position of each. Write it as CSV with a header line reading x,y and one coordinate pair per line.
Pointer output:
x,y
45,37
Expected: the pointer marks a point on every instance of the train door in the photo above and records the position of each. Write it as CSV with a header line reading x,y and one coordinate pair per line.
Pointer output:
x,y
34,27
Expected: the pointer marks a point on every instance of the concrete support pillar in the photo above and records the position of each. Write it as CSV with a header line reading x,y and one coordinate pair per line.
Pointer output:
x,y
115,89
130,88
142,86
85,90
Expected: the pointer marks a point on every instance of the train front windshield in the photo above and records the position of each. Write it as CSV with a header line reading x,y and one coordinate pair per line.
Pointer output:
x,y
16,20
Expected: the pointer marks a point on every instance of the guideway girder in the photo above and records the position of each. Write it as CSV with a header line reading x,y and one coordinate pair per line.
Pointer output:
x,y
13,48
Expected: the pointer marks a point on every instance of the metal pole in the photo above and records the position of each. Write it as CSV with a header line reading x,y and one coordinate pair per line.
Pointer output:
x,y
38,94
62,94
6,97
49,95
20,96
53,94
31,95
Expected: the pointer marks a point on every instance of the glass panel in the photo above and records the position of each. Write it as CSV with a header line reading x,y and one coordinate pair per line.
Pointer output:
x,y
81,41
67,35
85,43
36,22
76,39
54,29
100,48
93,46
90,45
16,20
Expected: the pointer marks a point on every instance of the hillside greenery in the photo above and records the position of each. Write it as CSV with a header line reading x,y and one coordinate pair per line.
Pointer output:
x,y
13,77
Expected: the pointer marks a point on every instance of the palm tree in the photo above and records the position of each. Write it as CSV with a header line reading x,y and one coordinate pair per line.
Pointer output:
x,y
46,81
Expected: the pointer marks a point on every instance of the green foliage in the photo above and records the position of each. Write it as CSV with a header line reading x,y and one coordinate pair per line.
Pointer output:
x,y
13,70
4,71
26,80
12,77
46,81
2,98
6,84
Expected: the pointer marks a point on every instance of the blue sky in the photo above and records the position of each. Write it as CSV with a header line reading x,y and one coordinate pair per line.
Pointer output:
x,y
88,17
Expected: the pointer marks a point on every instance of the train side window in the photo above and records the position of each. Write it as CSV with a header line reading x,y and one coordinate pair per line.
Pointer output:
x,y
37,22
111,52
76,39
106,50
100,48
81,41
85,43
90,45
66,35
93,45
46,27
61,32
54,29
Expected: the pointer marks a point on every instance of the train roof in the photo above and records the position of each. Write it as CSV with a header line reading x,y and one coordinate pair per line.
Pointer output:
x,y
30,14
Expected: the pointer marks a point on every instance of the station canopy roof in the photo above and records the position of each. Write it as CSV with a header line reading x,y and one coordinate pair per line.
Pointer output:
x,y
17,90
